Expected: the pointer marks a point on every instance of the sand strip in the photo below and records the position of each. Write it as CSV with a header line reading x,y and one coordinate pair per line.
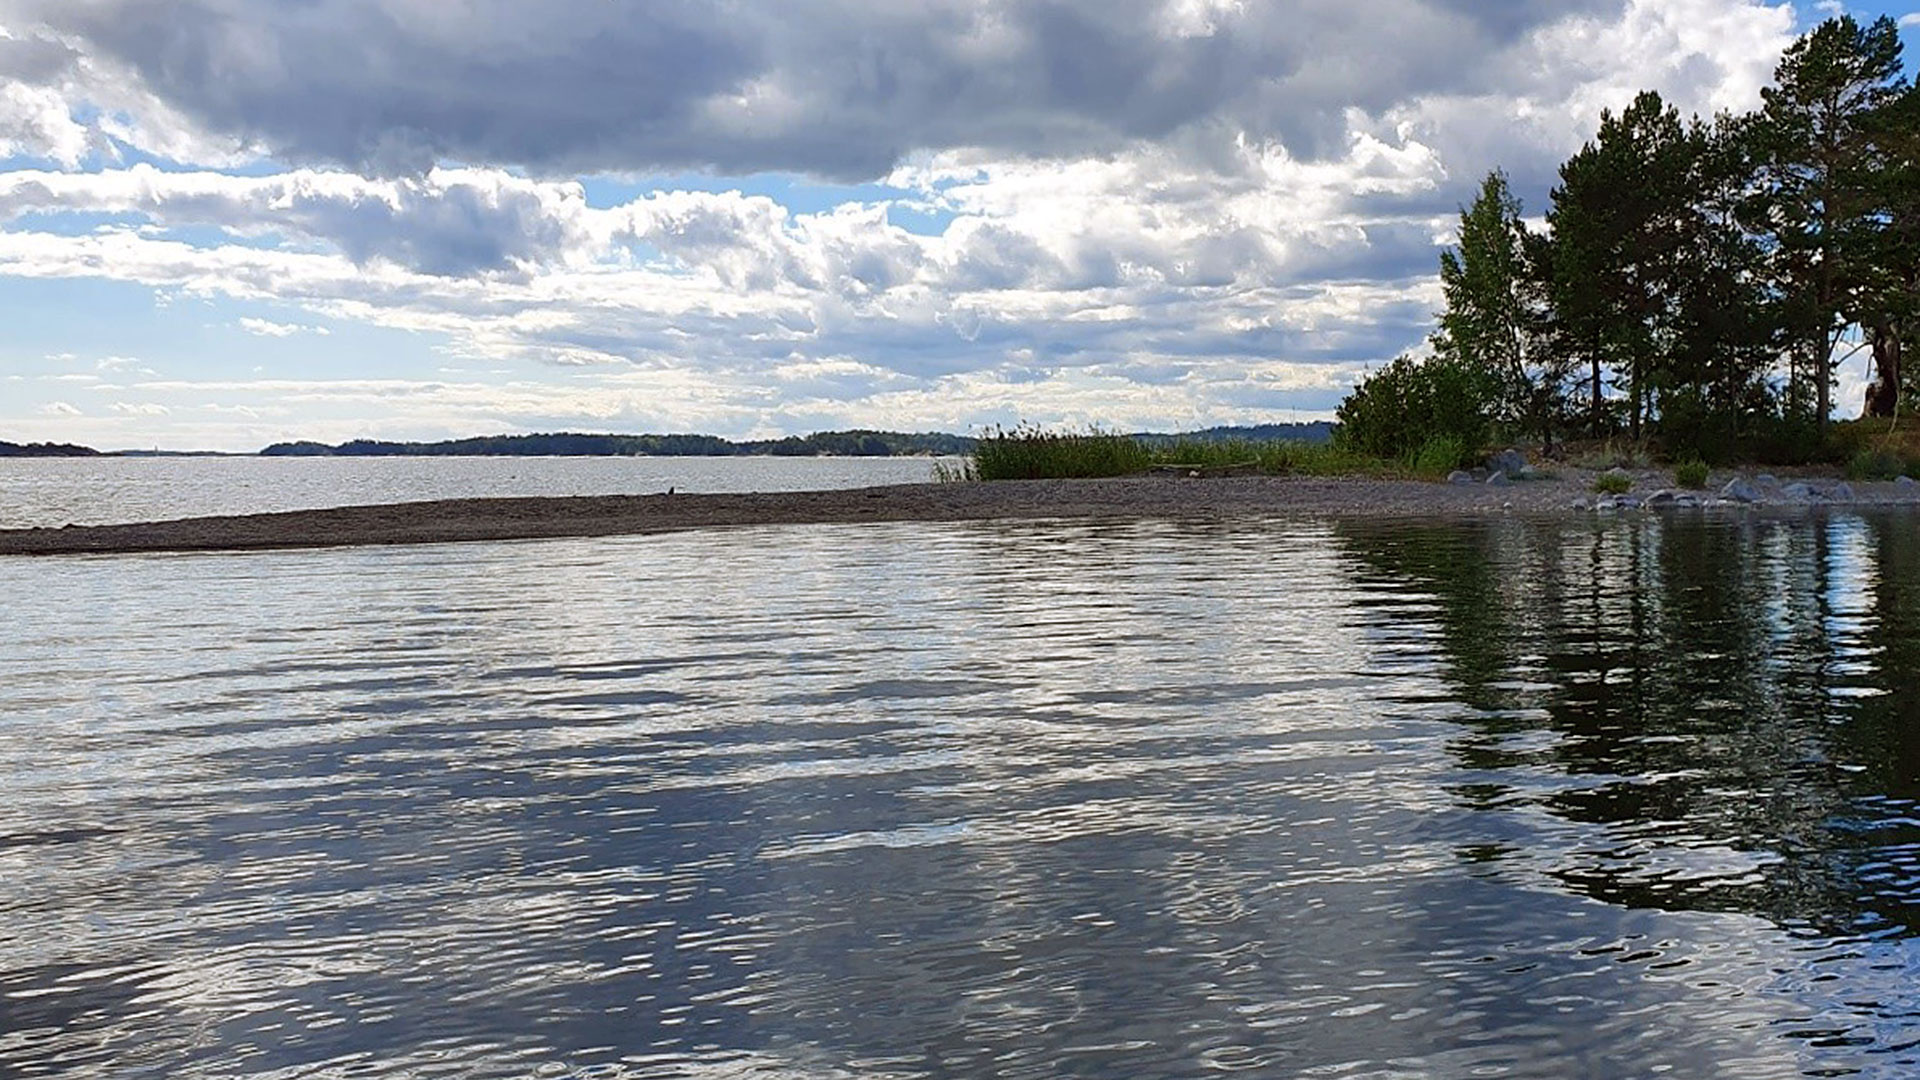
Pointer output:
x,y
1129,497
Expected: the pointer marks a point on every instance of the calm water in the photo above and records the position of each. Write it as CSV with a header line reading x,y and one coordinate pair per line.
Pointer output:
x,y
1021,800
97,491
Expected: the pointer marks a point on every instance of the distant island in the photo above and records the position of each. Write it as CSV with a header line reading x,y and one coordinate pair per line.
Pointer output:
x,y
857,443
41,449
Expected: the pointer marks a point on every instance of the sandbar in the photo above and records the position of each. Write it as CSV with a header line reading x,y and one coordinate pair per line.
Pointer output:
x,y
1144,497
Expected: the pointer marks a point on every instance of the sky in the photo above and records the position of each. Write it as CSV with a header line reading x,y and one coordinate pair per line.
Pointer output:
x,y
226,223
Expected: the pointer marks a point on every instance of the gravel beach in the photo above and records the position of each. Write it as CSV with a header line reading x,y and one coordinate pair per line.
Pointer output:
x,y
1164,497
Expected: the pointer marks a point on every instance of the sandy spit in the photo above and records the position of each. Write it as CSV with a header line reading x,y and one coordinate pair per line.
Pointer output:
x,y
1128,498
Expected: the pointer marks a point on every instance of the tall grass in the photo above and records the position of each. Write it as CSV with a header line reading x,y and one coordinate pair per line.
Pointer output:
x,y
1034,454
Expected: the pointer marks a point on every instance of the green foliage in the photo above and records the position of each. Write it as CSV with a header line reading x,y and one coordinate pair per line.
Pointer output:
x,y
1397,410
1612,483
1691,474
1440,455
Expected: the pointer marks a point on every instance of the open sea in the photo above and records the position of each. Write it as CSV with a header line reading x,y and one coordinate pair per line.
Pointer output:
x,y
1633,797
51,492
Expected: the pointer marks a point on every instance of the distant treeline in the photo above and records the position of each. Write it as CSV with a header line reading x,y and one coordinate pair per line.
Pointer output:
x,y
8,449
569,444
1318,432
822,444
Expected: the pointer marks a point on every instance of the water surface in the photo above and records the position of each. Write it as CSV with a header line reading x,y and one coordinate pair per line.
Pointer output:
x,y
1009,800
50,492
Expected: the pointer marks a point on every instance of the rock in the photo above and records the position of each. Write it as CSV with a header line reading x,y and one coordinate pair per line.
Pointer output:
x,y
1458,477
1905,481
1509,461
1663,497
1738,490
1606,502
1579,504
1619,472
1840,492
1628,502
1799,491
1766,480
1498,479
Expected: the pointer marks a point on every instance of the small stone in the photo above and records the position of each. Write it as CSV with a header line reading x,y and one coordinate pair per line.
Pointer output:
x,y
1459,477
1738,490
1498,479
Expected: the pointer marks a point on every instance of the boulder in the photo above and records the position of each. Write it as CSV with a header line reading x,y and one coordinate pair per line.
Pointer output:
x,y
1738,490
1840,492
1509,461
1458,477
1905,481
1663,497
1498,479
1802,492
1766,480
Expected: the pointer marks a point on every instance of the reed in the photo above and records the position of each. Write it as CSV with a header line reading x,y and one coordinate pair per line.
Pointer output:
x,y
1033,454
1036,454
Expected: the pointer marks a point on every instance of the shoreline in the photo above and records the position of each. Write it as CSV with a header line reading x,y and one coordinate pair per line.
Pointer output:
x,y
1133,497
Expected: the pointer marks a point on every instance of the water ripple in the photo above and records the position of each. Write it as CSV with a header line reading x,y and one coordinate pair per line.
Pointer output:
x,y
1042,799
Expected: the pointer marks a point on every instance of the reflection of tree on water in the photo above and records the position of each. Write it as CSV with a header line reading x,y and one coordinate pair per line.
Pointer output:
x,y
1715,706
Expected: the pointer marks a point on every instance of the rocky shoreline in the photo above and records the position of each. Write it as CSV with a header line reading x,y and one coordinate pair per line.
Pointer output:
x,y
1129,498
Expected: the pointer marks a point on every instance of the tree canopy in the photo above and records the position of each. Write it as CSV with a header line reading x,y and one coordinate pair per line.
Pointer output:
x,y
1697,279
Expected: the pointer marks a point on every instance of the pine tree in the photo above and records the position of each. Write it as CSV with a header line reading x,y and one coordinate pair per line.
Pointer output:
x,y
1820,163
1620,222
1492,326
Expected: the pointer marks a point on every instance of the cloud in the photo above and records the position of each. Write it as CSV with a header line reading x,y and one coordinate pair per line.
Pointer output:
x,y
448,222
1133,211
841,88
268,328
58,408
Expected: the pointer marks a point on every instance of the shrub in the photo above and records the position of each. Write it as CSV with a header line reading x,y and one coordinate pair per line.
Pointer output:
x,y
1440,455
1875,465
1612,483
1691,474
1397,410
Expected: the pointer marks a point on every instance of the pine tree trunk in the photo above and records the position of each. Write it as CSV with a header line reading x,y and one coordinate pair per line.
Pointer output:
x,y
1596,397
1883,394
